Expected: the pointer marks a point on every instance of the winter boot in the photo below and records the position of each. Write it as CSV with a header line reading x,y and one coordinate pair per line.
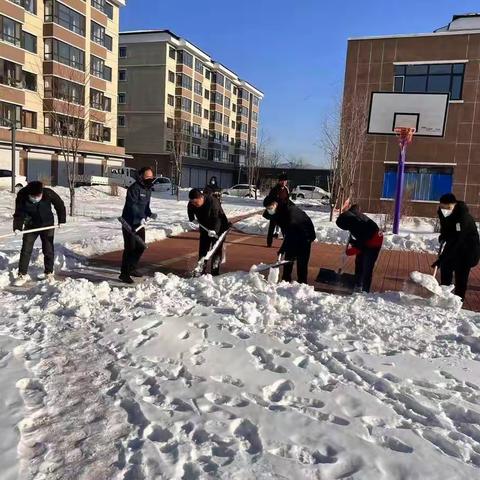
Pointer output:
x,y
21,280
126,278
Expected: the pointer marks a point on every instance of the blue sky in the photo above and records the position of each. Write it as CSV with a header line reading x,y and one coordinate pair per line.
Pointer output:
x,y
292,50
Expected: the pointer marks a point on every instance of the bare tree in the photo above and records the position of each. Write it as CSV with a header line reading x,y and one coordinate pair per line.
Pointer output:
x,y
295,161
179,145
256,159
273,159
343,140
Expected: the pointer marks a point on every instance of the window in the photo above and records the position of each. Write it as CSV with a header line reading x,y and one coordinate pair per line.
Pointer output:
x,y
171,76
243,127
171,100
234,108
10,112
121,121
233,124
184,81
29,81
122,75
205,114
216,117
99,69
242,93
225,138
29,5
195,150
107,104
64,53
227,102
65,90
207,74
255,116
198,87
29,119
60,125
97,99
243,111
226,120
184,104
228,84
103,6
10,73
66,17
427,184
224,156
169,146
186,127
29,42
107,73
120,142
171,52
235,90
198,66
122,98
96,132
10,31
218,78
430,78
204,153
197,109
215,155
122,52
217,98
196,130
207,94
205,133
185,58
256,100
254,132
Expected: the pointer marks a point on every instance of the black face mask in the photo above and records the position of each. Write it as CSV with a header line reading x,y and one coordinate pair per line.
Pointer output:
x,y
148,182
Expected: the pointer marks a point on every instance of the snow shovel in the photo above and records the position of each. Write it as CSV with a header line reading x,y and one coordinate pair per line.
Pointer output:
x,y
132,232
429,282
33,230
201,263
337,277
273,268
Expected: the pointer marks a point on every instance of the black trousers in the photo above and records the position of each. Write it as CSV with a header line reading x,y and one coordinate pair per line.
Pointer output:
x,y
204,246
302,256
27,247
461,278
132,251
271,231
364,265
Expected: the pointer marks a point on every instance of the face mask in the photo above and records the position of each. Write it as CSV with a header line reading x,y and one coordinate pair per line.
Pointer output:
x,y
34,199
271,211
148,181
446,213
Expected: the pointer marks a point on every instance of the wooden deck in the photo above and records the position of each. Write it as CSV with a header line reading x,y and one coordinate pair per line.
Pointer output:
x,y
179,255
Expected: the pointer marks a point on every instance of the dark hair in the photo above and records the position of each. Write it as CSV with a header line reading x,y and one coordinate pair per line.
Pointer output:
x,y
35,188
282,177
194,193
142,171
448,198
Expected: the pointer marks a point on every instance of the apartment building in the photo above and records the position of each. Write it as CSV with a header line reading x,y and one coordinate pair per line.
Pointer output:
x,y
169,86
445,61
58,67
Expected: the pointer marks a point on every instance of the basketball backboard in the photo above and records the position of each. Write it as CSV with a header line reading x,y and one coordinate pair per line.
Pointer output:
x,y
425,112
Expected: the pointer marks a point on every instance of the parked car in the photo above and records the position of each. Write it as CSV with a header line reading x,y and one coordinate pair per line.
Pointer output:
x,y
6,180
240,190
162,184
309,192
122,176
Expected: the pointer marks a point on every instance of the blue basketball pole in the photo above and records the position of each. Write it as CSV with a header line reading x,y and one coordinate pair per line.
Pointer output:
x,y
400,181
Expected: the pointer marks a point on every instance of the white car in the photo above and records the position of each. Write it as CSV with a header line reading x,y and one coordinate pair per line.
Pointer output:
x,y
6,180
240,190
309,192
162,184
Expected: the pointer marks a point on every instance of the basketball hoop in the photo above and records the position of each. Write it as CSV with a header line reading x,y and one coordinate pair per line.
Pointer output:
x,y
405,134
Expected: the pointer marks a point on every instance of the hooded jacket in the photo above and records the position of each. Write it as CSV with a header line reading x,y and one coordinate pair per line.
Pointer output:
x,y
278,194
210,215
137,203
363,230
30,215
460,234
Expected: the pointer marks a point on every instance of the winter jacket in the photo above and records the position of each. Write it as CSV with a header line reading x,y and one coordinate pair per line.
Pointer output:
x,y
212,188
30,215
137,204
460,234
297,228
364,232
210,215
278,194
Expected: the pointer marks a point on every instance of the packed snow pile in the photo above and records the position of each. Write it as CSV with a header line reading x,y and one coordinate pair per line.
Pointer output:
x,y
233,377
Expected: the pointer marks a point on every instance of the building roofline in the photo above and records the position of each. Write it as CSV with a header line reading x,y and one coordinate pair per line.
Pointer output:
x,y
184,42
413,35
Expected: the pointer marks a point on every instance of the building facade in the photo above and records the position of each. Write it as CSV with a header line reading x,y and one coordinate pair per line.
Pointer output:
x,y
58,67
446,61
170,89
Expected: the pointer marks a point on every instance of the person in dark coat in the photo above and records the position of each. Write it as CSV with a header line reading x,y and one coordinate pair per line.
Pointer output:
x,y
281,195
135,213
212,188
299,233
461,244
33,209
365,242
206,209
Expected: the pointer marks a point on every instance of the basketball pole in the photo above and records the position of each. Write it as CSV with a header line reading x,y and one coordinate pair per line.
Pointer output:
x,y
399,187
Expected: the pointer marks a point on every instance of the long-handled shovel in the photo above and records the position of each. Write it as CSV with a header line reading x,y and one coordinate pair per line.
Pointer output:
x,y
273,269
429,282
33,230
201,263
133,232
337,277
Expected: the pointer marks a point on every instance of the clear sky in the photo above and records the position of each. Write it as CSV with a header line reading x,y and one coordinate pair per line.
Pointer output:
x,y
292,50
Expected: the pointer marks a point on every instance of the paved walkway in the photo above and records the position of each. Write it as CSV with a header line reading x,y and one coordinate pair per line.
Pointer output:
x,y
179,255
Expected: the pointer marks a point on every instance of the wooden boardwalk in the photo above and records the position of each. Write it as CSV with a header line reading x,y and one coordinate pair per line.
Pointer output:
x,y
179,255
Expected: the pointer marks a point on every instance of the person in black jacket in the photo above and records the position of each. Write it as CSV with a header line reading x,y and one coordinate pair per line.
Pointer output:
x,y
299,233
365,242
281,195
212,188
135,212
461,244
207,210
33,209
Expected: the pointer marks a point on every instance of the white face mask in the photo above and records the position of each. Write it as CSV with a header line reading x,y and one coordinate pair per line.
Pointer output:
x,y
446,213
271,210
34,199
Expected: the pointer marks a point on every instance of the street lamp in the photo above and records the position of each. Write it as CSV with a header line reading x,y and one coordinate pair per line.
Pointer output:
x,y
13,128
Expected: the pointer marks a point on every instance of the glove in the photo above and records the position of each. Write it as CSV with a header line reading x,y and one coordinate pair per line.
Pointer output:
x,y
193,225
153,216
351,251
212,234
16,231
143,221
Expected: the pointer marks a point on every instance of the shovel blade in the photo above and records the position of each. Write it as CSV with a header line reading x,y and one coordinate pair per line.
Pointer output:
x,y
328,276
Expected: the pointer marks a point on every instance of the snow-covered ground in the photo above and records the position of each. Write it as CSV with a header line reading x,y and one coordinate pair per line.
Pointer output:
x,y
230,378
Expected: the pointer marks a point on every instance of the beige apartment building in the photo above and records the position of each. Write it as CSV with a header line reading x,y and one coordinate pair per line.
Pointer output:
x,y
59,62
168,85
